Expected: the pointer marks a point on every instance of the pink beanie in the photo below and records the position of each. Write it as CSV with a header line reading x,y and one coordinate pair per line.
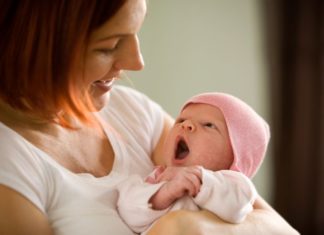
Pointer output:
x,y
248,132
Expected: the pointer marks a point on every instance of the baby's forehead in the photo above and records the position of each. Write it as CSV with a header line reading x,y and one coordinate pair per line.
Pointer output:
x,y
203,107
202,110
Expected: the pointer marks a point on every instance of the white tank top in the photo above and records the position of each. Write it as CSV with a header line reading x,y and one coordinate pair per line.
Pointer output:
x,y
81,203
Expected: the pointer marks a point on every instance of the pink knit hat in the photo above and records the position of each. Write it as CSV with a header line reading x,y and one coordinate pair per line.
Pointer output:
x,y
248,132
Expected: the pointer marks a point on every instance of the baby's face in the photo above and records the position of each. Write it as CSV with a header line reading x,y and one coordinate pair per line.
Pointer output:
x,y
199,137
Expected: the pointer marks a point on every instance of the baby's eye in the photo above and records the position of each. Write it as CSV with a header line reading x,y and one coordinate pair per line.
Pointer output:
x,y
179,120
210,125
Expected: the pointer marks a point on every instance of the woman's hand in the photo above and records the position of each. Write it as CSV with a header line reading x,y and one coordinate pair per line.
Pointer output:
x,y
262,220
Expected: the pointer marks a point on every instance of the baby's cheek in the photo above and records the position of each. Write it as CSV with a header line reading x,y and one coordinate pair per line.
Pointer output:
x,y
213,161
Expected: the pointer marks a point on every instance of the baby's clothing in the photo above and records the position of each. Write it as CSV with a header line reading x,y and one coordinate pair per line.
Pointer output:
x,y
228,194
81,203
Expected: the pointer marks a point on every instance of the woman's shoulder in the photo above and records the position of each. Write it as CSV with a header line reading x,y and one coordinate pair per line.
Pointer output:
x,y
17,154
20,168
10,141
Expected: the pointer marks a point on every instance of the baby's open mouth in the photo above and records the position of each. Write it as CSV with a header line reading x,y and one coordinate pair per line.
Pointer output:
x,y
182,150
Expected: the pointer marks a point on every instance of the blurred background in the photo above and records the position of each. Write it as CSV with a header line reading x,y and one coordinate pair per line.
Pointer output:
x,y
270,54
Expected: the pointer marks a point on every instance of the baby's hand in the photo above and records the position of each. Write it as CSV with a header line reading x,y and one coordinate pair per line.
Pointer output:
x,y
181,181
152,178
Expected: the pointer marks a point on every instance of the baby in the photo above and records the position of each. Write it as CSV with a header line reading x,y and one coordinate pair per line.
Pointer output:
x,y
216,145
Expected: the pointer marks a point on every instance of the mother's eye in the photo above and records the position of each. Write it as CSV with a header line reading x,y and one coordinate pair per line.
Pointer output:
x,y
106,51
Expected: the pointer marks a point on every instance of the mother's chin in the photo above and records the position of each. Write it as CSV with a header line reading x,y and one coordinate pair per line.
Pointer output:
x,y
99,93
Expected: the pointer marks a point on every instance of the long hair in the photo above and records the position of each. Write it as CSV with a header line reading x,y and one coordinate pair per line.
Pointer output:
x,y
41,45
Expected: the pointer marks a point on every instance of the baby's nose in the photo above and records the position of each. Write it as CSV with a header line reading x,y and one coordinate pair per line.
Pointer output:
x,y
188,125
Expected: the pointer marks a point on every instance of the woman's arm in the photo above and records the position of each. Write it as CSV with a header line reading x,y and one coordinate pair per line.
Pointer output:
x,y
19,216
262,220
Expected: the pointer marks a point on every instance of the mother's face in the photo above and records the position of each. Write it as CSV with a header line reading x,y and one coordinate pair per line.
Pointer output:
x,y
113,47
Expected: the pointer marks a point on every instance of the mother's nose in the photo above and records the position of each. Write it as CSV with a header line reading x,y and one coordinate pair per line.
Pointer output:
x,y
188,125
129,56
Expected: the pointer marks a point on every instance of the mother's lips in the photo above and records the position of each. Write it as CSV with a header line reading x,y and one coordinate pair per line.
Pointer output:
x,y
104,85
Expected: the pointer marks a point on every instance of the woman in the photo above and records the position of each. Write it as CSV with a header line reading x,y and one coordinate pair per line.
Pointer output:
x,y
67,136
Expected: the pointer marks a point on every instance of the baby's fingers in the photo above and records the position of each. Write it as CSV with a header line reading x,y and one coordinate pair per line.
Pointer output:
x,y
153,177
194,184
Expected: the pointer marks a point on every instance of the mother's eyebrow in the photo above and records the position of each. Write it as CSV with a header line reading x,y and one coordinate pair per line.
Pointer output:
x,y
120,35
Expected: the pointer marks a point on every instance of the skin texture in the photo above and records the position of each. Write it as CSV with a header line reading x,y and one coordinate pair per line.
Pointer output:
x,y
263,220
114,47
19,216
181,181
203,128
185,179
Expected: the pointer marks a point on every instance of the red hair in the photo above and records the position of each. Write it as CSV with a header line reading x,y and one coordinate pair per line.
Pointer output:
x,y
41,44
